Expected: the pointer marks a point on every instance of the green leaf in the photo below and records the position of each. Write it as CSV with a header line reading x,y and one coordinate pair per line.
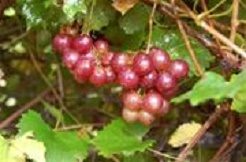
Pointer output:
x,y
214,87
171,41
54,111
73,7
42,13
103,14
135,20
120,137
61,146
239,101
122,41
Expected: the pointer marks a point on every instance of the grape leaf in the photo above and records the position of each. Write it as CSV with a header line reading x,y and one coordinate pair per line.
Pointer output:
x,y
171,41
103,14
60,146
138,15
73,7
42,13
119,40
213,86
124,5
120,137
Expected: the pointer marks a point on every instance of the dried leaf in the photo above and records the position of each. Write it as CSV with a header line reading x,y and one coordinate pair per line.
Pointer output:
x,y
183,134
124,5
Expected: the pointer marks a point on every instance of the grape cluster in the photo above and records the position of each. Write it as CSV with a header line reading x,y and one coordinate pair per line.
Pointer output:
x,y
149,80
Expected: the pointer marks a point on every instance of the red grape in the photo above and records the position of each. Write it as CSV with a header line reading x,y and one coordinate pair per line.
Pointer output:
x,y
101,46
142,64
179,69
128,79
107,58
62,42
165,82
164,109
83,69
152,102
148,80
120,62
82,44
98,76
132,100
161,60
70,58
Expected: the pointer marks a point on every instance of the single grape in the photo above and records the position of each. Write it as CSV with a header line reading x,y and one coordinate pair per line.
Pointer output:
x,y
110,75
142,64
169,94
83,69
61,42
70,58
149,80
128,79
129,116
101,46
165,82
98,76
82,44
132,100
179,69
119,62
145,118
161,60
152,102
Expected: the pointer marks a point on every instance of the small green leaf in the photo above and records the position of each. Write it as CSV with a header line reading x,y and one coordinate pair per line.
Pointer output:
x,y
211,86
171,41
103,14
60,146
120,137
135,20
73,7
41,13
122,41
54,111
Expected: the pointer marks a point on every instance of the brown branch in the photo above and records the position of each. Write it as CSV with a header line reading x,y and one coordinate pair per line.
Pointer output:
x,y
211,120
22,109
189,48
234,20
230,138
167,9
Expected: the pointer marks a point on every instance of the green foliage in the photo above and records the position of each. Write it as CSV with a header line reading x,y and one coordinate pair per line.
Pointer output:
x,y
41,13
103,13
120,137
171,41
73,7
214,87
61,146
138,15
122,41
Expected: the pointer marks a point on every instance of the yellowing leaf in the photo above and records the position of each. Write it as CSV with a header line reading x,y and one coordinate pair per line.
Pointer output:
x,y
183,134
34,150
20,148
124,5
